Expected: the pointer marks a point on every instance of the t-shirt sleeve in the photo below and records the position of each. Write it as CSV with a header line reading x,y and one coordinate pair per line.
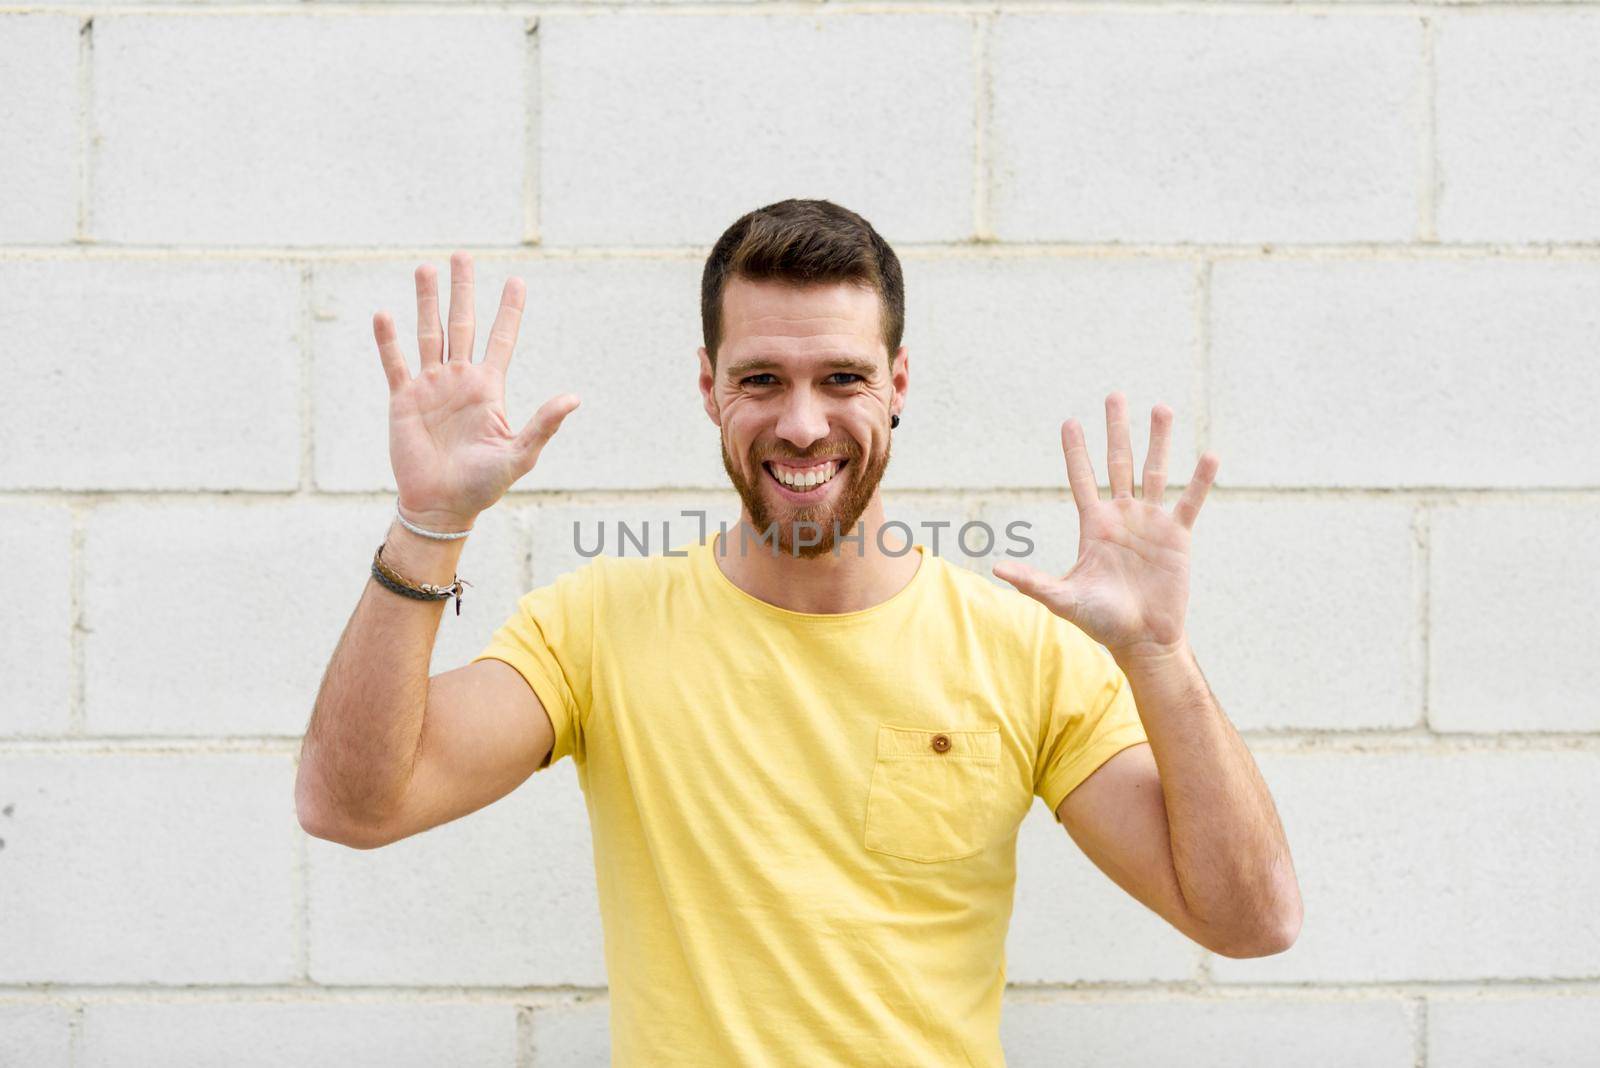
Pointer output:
x,y
549,640
1089,710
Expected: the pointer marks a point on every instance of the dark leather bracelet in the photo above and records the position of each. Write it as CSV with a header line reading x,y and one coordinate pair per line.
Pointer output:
x,y
390,579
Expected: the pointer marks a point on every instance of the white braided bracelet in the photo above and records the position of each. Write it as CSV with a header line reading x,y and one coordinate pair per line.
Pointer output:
x,y
435,535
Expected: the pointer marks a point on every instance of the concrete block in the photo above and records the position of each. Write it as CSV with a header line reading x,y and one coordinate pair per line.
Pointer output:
x,y
342,130
261,1034
169,375
39,128
1174,127
1003,351
36,1035
573,1035
208,619
1443,866
148,868
658,130
1070,923
1078,1032
1305,614
1533,1030
1518,117
1513,624
36,659
1405,373
503,897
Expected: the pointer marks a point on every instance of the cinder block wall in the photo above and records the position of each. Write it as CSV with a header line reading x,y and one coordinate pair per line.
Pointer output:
x,y
1356,247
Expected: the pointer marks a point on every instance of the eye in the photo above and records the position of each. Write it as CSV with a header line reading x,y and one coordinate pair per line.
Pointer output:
x,y
750,380
850,375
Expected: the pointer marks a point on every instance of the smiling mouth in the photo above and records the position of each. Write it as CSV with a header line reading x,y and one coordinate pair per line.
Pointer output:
x,y
807,480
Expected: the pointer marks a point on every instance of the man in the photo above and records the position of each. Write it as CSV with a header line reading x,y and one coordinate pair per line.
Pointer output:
x,y
806,757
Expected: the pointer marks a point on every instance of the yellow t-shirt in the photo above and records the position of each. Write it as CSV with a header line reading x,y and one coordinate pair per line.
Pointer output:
x,y
804,824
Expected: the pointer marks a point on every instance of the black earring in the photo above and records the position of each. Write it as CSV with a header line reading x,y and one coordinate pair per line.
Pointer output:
x,y
894,421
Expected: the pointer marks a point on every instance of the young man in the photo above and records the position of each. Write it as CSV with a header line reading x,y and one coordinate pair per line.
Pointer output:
x,y
804,768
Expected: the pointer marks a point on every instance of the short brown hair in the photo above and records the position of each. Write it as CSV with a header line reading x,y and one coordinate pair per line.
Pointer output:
x,y
803,242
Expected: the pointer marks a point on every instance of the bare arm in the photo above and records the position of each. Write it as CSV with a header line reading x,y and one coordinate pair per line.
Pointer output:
x,y
373,761
1228,850
1197,838
1185,824
361,746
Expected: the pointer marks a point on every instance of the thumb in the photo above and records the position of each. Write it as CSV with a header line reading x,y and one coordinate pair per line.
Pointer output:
x,y
533,437
1029,580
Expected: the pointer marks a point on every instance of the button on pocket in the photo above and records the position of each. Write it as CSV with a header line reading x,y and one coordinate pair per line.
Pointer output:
x,y
932,792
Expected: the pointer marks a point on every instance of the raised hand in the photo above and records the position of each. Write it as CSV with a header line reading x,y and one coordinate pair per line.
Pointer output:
x,y
453,451
1129,589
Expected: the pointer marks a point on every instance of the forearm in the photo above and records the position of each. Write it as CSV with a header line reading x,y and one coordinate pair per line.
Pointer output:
x,y
1228,847
366,723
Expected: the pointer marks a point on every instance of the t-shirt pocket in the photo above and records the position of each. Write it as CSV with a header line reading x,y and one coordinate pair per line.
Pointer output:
x,y
932,792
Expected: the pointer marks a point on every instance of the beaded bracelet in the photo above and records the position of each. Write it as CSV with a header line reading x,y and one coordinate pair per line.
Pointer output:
x,y
390,579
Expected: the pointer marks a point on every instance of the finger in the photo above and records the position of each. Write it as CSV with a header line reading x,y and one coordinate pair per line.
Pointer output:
x,y
1025,577
394,361
430,335
1194,494
1155,461
503,335
462,326
542,427
1080,472
1055,594
1119,453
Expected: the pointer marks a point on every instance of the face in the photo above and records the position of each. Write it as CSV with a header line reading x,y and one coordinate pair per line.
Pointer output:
x,y
803,390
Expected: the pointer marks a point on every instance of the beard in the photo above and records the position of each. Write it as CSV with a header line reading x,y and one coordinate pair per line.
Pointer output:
x,y
840,514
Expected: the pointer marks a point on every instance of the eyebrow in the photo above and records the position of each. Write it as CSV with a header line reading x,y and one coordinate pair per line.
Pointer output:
x,y
864,368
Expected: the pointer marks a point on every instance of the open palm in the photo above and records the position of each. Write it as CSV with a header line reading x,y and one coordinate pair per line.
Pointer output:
x,y
1129,589
453,450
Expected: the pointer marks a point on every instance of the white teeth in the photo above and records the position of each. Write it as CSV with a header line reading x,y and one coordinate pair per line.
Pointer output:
x,y
804,480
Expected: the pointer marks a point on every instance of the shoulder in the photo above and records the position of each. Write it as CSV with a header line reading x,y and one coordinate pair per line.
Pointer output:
x,y
996,607
606,577
981,597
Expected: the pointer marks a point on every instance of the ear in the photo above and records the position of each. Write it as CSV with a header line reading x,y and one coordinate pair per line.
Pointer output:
x,y
708,381
900,377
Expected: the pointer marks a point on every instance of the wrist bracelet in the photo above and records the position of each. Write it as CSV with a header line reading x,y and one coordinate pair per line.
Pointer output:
x,y
435,535
390,579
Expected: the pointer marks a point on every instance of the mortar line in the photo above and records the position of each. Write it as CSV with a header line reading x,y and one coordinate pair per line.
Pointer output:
x,y
1202,384
525,525
532,151
1427,206
77,716
86,141
961,249
329,9
1293,741
75,1033
307,408
525,1036
983,109
718,496
1293,992
1286,992
1422,528
300,898
1419,1037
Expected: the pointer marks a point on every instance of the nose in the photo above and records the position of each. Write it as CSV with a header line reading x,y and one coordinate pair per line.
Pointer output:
x,y
803,420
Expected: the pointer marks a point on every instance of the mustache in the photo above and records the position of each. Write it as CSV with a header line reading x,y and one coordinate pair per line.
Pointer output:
x,y
847,450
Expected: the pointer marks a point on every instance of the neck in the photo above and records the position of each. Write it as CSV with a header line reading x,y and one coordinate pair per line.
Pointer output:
x,y
848,578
